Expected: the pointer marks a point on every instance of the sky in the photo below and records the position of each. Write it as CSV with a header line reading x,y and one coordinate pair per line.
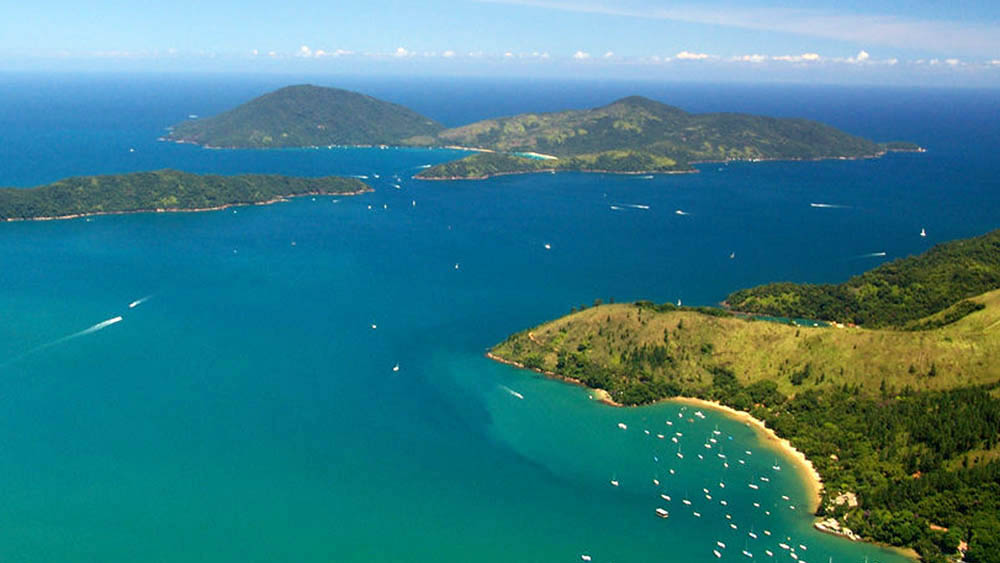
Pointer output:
x,y
846,41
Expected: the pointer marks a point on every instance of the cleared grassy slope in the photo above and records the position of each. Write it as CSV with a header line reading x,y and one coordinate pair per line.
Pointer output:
x,y
679,351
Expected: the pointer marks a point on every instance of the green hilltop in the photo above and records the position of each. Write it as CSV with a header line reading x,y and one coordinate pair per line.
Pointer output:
x,y
899,293
303,116
906,420
636,134
161,190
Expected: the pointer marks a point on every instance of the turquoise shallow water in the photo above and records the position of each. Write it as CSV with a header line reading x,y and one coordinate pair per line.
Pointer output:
x,y
248,411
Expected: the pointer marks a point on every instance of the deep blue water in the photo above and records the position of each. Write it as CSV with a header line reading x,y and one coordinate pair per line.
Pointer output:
x,y
248,411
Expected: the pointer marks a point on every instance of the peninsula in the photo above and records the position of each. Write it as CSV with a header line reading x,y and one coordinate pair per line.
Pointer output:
x,y
631,135
161,190
903,425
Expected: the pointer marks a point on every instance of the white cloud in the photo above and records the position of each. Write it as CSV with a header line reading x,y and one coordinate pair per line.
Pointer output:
x,y
995,62
543,56
402,52
272,53
879,29
580,55
609,54
892,62
689,56
804,57
304,51
448,54
753,58
476,54
953,62
508,55
255,52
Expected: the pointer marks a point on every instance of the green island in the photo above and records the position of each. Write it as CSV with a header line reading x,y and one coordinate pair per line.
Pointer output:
x,y
639,135
902,424
306,116
631,135
161,190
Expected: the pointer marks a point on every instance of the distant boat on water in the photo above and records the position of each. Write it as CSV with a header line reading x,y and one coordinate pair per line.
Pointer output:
x,y
923,232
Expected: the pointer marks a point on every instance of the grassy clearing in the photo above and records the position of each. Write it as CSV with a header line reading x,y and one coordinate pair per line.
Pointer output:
x,y
694,345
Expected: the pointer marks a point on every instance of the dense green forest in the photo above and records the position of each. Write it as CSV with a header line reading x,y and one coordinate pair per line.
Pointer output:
x,y
895,294
305,116
161,189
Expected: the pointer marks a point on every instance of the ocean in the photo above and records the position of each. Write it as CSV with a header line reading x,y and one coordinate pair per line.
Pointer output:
x,y
248,409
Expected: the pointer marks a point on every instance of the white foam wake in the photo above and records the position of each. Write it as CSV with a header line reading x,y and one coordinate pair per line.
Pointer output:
x,y
512,392
828,205
138,302
99,326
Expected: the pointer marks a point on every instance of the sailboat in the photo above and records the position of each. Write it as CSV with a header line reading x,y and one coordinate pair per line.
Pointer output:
x,y
923,232
679,454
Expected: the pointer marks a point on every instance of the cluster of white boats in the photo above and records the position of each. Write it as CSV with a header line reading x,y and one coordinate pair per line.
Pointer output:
x,y
712,451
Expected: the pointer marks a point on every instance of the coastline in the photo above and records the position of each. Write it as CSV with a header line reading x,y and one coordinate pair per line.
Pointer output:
x,y
553,171
273,200
813,481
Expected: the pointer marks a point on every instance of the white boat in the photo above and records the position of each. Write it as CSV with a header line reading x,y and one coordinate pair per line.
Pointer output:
x,y
395,367
720,544
752,535
656,482
748,554
769,553
622,425
662,513
697,514
753,486
548,246
665,497
717,554
731,525
923,232
686,501
585,557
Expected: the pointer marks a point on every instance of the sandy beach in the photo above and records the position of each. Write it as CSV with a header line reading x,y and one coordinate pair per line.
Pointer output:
x,y
814,484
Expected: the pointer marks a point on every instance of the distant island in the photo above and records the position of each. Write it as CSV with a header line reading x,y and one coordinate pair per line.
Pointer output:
x,y
902,424
307,116
632,135
161,190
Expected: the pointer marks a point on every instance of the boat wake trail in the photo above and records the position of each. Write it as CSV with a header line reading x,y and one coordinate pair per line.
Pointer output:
x,y
512,392
829,206
634,205
681,212
99,326
138,302
871,255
